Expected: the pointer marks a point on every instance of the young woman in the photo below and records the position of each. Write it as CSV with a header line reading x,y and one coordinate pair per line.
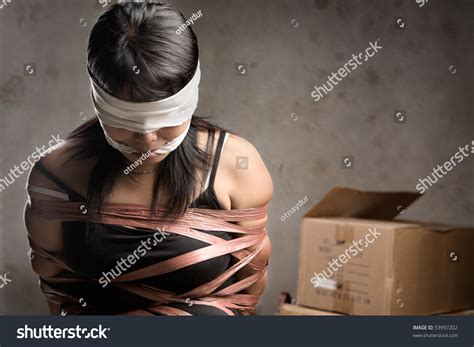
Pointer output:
x,y
145,147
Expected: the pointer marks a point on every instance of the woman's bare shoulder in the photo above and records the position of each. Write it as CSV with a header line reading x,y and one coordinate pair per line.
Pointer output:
x,y
251,183
71,171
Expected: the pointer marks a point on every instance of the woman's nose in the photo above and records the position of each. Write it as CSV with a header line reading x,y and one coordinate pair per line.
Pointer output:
x,y
145,137
149,140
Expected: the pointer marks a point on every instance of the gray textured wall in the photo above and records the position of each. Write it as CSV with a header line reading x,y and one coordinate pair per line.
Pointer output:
x,y
288,46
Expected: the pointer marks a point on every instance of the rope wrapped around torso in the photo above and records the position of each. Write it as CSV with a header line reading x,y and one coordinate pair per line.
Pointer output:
x,y
139,216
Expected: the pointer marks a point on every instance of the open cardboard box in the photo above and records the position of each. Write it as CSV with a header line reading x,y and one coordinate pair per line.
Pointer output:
x,y
355,259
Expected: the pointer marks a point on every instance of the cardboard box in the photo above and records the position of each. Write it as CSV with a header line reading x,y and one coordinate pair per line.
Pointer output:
x,y
295,310
355,259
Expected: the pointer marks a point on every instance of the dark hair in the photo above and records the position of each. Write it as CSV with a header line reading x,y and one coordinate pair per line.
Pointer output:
x,y
143,36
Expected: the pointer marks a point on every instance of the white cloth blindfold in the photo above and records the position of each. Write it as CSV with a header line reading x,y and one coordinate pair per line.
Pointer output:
x,y
147,116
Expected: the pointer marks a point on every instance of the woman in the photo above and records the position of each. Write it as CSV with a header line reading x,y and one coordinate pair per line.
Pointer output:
x,y
146,148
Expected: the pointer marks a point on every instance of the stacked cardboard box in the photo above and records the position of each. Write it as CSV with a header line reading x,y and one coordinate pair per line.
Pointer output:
x,y
355,259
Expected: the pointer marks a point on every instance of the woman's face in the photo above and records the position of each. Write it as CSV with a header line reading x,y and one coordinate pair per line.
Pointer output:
x,y
143,143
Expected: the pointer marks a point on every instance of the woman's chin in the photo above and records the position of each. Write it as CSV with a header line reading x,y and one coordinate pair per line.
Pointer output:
x,y
147,157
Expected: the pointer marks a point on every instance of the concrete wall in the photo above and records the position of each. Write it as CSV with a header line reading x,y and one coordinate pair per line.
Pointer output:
x,y
288,47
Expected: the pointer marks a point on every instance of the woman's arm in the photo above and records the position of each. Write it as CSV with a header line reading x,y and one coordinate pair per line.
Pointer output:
x,y
251,186
46,233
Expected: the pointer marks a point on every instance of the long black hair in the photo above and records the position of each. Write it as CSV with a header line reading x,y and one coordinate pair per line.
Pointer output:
x,y
127,37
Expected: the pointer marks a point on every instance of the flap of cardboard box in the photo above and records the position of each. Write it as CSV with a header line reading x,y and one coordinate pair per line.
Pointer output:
x,y
348,202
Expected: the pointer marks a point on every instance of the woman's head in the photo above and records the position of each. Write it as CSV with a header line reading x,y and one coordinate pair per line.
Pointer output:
x,y
134,54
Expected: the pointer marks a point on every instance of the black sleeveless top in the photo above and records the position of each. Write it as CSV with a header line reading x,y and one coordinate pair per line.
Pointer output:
x,y
96,251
